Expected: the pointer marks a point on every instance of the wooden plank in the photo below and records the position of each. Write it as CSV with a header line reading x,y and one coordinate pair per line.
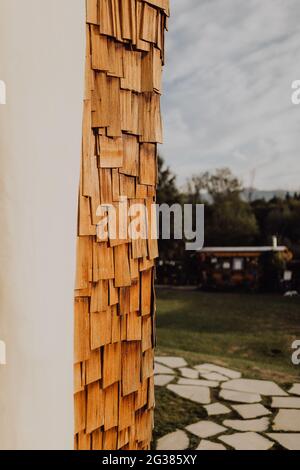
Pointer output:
x,y
95,199
132,61
78,382
115,53
131,155
116,326
126,19
138,228
152,238
150,118
111,152
99,299
127,186
100,55
110,439
141,398
103,262
126,110
95,407
123,439
134,327
84,441
100,329
80,411
93,367
82,322
149,24
148,364
92,12
163,4
100,101
122,269
124,301
118,223
146,292
111,407
135,297
113,294
148,164
105,186
84,262
146,334
111,364
126,412
115,185
131,367
114,129
106,17
97,440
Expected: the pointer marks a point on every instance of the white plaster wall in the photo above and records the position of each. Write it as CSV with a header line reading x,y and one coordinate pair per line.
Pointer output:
x,y
42,46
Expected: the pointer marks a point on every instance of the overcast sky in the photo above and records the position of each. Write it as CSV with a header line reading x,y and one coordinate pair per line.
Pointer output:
x,y
230,66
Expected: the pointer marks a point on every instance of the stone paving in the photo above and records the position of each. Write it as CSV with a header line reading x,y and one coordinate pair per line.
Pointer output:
x,y
251,414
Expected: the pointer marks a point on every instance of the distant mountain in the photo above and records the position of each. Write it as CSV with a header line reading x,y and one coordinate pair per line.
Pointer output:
x,y
261,194
256,194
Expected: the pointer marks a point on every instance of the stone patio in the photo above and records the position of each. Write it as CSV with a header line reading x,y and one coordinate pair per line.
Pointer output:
x,y
242,414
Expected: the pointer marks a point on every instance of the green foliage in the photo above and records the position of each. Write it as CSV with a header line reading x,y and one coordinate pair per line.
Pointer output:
x,y
252,333
229,219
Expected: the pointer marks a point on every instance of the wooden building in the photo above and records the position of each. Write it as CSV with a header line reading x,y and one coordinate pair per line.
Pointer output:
x,y
249,268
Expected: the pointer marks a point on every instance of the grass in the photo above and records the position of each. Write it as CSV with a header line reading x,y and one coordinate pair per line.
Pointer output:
x,y
249,333
252,333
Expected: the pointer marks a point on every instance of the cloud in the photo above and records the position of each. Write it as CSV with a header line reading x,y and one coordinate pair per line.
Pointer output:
x,y
228,76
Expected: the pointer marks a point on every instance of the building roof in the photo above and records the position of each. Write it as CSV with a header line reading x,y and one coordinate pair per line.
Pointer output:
x,y
246,249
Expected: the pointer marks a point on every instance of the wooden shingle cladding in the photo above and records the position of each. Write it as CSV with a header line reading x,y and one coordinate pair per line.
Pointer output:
x,y
114,295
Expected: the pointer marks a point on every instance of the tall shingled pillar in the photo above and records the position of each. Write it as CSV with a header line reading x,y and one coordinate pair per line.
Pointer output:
x,y
114,294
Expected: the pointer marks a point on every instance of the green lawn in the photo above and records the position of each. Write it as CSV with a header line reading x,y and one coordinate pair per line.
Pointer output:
x,y
252,333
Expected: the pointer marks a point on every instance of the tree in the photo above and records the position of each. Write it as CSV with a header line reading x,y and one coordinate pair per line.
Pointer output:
x,y
167,192
228,219
222,184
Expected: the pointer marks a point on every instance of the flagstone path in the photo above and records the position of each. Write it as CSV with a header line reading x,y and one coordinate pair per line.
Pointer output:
x,y
251,414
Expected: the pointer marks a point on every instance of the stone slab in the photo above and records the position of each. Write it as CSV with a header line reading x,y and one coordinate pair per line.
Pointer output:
x,y
189,373
175,441
207,445
198,382
254,425
162,380
216,409
170,361
229,373
247,441
214,376
251,411
160,369
295,390
240,397
205,429
285,402
261,387
286,440
287,420
190,392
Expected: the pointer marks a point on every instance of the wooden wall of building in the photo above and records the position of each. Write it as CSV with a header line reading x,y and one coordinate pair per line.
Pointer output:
x,y
114,296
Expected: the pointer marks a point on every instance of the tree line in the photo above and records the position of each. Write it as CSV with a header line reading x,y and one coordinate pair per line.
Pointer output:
x,y
231,219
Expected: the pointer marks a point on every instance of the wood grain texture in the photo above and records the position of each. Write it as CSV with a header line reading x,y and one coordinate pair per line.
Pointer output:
x,y
114,295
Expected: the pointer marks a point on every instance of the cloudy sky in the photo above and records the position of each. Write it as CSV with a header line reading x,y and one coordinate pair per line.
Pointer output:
x,y
230,66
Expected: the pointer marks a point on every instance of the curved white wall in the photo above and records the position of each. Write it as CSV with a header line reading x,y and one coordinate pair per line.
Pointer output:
x,y
42,48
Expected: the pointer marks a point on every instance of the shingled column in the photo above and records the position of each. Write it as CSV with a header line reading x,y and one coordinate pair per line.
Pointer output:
x,y
114,296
